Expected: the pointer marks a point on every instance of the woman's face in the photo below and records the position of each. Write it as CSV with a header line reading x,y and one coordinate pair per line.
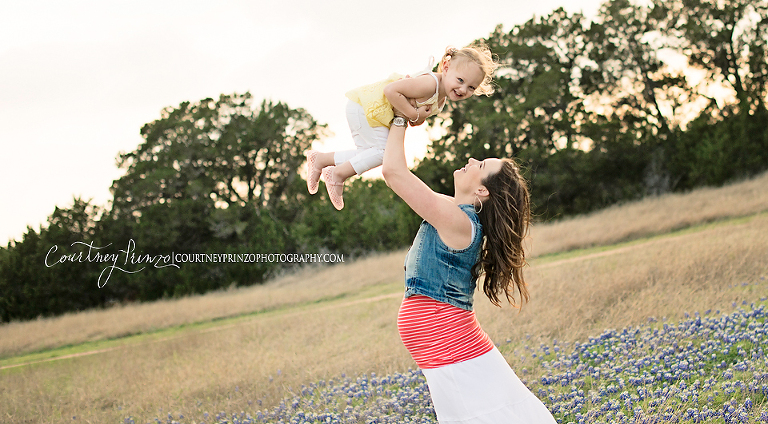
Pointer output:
x,y
470,177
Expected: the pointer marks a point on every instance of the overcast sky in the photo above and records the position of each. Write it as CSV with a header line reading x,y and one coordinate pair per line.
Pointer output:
x,y
78,79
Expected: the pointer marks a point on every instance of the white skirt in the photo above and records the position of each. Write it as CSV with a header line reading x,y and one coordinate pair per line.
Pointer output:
x,y
483,390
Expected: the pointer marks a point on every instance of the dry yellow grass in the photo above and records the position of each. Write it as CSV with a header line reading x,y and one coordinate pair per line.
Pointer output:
x,y
577,297
222,369
325,321
653,215
308,285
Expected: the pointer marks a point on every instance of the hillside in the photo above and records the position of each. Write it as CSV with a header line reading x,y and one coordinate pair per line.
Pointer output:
x,y
246,349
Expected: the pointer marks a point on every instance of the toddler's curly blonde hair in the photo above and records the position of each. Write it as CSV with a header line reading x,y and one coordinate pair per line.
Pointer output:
x,y
478,54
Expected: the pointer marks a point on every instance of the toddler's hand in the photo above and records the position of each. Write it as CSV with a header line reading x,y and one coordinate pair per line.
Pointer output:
x,y
397,112
424,112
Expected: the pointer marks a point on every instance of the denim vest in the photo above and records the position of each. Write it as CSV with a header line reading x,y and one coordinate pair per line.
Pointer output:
x,y
435,270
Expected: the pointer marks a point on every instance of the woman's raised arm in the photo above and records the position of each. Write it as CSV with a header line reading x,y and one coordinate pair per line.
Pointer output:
x,y
451,223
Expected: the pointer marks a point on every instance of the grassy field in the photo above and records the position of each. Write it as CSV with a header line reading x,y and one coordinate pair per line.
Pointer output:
x,y
247,349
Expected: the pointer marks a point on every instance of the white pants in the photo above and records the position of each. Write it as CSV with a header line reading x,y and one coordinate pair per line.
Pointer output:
x,y
370,141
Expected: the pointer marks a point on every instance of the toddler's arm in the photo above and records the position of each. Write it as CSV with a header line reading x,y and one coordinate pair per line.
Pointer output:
x,y
402,94
422,112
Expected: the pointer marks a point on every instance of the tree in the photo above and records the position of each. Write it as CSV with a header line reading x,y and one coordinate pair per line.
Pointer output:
x,y
630,84
534,109
211,175
728,41
540,114
219,150
36,279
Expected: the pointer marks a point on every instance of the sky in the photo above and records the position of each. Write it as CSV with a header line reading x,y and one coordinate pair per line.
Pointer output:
x,y
78,79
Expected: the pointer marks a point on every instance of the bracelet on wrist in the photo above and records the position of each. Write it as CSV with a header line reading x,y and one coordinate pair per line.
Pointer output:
x,y
417,116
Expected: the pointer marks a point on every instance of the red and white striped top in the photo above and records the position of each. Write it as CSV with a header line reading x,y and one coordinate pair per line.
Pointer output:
x,y
438,334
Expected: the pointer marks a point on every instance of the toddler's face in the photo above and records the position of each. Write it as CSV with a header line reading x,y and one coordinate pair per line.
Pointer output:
x,y
461,79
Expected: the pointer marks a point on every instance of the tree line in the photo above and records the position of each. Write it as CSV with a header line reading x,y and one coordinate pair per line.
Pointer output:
x,y
597,111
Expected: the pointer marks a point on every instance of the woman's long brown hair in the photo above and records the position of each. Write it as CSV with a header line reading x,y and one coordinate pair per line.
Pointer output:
x,y
505,217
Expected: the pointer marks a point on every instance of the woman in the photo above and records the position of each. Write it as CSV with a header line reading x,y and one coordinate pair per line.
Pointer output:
x,y
478,231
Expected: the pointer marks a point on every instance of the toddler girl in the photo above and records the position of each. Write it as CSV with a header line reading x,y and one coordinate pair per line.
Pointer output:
x,y
371,110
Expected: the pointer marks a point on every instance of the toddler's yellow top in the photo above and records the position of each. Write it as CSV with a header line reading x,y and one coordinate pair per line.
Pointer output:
x,y
377,108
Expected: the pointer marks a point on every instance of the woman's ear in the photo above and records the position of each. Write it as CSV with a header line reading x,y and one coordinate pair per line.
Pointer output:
x,y
482,192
